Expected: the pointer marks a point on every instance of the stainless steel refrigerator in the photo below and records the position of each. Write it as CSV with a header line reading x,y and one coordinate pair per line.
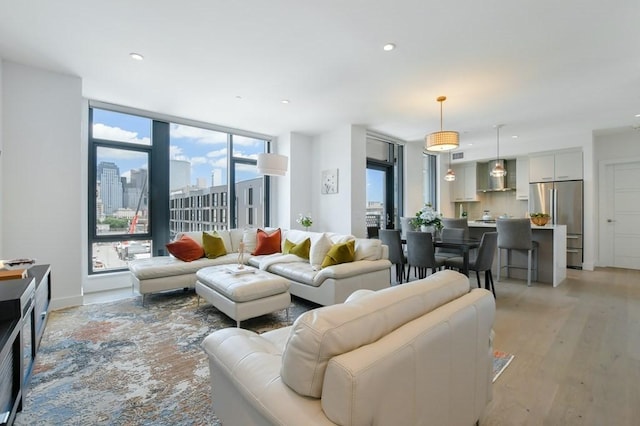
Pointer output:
x,y
563,201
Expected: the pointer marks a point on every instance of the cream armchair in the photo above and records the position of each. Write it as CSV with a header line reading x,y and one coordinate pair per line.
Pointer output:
x,y
419,353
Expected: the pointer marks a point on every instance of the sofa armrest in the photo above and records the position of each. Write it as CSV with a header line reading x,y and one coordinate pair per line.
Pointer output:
x,y
350,269
245,373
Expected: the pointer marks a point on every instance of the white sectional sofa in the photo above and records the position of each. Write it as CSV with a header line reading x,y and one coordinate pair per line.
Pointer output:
x,y
415,354
371,268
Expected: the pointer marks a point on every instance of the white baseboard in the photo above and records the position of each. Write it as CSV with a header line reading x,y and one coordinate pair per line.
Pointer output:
x,y
65,302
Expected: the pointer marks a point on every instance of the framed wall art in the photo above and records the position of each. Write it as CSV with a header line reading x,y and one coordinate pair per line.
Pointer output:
x,y
329,181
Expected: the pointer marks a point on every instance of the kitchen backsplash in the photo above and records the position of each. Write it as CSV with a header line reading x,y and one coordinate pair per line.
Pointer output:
x,y
498,203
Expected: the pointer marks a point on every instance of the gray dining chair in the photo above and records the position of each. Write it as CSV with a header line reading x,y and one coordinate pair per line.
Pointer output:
x,y
459,223
391,238
482,262
405,226
515,234
450,234
421,254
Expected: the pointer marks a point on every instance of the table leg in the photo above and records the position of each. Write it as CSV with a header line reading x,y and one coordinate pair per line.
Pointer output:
x,y
465,263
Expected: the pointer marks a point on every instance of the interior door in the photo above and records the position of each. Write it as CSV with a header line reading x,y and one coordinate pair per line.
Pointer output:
x,y
619,232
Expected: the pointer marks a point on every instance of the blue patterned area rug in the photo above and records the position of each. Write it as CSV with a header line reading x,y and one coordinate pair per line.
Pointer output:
x,y
121,363
501,361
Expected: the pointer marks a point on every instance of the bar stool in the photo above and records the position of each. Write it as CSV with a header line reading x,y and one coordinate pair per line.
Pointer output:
x,y
515,234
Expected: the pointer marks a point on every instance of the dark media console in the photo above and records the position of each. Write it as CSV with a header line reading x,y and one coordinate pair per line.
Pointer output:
x,y
24,305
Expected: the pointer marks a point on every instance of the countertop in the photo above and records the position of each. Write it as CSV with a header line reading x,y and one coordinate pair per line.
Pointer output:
x,y
479,224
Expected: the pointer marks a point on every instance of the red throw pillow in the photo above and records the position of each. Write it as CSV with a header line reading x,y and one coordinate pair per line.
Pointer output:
x,y
186,249
267,243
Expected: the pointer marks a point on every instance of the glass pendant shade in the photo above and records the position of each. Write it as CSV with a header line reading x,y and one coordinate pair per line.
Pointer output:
x,y
450,176
444,140
498,170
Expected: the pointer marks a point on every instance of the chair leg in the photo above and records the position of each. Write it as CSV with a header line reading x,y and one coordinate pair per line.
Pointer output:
x,y
488,281
499,267
478,278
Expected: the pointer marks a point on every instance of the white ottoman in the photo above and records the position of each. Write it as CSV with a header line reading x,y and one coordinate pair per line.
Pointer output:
x,y
243,296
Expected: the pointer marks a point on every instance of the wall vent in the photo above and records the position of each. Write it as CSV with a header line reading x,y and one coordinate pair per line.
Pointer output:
x,y
457,155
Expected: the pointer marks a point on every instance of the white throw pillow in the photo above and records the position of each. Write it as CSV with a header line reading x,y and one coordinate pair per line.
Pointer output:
x,y
339,238
319,249
249,239
368,249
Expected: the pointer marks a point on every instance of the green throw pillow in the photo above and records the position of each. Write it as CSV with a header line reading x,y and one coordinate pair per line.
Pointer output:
x,y
301,249
340,253
213,245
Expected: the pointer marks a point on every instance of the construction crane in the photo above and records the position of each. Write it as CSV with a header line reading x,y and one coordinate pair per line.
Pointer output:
x,y
134,221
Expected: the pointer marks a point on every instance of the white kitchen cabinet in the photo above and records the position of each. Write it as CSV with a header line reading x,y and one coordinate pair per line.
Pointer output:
x,y
568,165
465,185
542,168
561,165
522,178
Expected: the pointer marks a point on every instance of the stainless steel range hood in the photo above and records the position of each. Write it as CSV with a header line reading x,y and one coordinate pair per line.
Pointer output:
x,y
488,183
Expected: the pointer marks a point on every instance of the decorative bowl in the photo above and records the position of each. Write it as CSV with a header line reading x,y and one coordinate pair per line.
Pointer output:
x,y
540,220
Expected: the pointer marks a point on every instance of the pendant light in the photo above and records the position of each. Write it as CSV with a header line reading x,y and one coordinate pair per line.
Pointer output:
x,y
444,140
272,164
451,175
498,170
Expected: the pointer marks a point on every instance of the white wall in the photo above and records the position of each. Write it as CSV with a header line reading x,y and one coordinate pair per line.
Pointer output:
x,y
292,193
42,188
343,149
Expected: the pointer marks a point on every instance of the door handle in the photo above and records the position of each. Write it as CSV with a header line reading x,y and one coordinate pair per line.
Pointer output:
x,y
610,220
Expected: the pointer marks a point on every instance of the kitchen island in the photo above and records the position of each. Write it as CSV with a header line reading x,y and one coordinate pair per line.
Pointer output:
x,y
552,252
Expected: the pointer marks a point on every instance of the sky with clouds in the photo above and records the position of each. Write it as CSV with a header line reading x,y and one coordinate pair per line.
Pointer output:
x,y
205,150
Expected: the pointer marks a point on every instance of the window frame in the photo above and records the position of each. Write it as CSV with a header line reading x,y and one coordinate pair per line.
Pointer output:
x,y
158,230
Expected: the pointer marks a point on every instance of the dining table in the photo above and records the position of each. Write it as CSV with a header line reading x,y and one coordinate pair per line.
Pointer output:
x,y
464,245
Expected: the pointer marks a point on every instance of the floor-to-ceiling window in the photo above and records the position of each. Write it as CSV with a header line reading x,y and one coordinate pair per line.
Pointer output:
x,y
152,177
385,189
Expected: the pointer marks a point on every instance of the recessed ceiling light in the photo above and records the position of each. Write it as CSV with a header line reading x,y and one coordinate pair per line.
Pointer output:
x,y
514,137
638,115
285,101
389,46
136,56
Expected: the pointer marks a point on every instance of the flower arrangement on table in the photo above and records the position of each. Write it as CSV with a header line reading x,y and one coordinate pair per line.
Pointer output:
x,y
305,221
427,216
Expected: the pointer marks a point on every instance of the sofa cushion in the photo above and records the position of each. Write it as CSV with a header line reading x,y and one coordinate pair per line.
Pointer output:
x,y
368,249
340,253
323,333
213,245
185,249
267,243
169,266
300,249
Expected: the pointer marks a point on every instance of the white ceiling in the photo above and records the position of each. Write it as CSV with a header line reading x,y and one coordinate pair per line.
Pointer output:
x,y
540,67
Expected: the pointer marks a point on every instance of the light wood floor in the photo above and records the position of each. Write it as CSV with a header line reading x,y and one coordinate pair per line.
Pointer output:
x,y
577,351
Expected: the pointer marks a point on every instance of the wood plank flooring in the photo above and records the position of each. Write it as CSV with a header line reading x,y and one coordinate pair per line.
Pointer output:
x,y
576,347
